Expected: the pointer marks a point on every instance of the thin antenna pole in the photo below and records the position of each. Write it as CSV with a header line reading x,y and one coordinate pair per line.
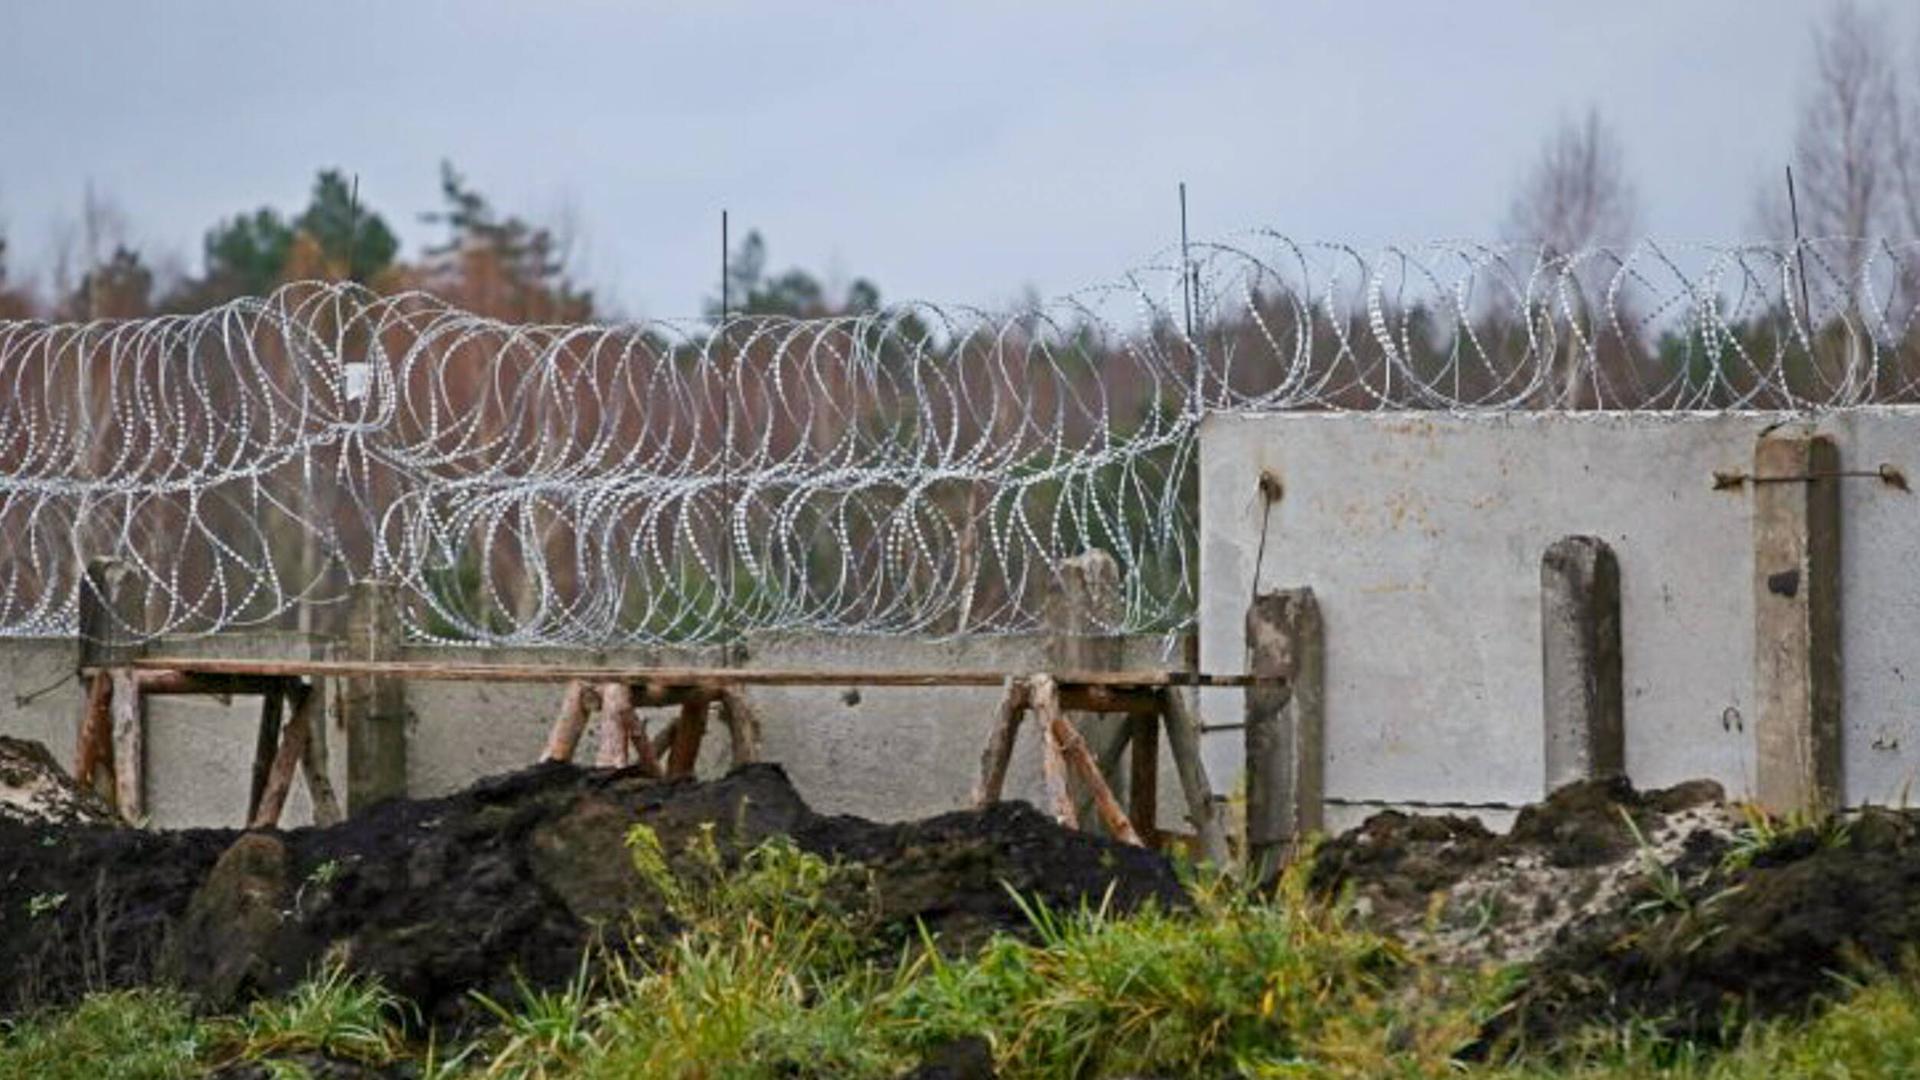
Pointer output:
x,y
729,625
353,224
1800,253
1186,264
1188,282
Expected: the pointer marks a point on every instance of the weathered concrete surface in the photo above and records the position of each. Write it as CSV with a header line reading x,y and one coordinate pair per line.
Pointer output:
x,y
1796,601
1285,744
1585,733
1421,534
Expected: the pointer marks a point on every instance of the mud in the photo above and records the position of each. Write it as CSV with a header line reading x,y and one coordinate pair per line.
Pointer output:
x,y
518,875
1467,895
1779,937
1689,921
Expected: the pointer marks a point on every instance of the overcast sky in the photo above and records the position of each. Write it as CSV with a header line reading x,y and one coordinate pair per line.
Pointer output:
x,y
960,153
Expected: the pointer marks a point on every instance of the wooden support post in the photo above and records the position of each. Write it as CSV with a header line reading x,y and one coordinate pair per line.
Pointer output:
x,y
286,761
616,725
564,738
373,710
743,726
313,765
688,732
111,622
1796,600
1080,622
1045,699
1072,748
644,754
129,747
93,748
1183,742
663,743
1583,717
266,744
999,752
1143,781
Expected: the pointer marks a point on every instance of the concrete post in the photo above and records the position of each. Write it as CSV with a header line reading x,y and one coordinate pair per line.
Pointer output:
x,y
1583,714
373,712
1285,749
1080,620
1796,607
112,616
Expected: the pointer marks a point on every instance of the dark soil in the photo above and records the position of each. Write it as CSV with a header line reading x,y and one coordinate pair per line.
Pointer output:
x,y
1775,938
518,875
1561,861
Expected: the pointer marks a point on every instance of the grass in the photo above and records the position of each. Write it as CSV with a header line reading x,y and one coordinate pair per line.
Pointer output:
x,y
771,968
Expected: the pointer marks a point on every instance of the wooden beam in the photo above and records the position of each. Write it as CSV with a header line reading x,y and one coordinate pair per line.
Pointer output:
x,y
129,747
1000,740
153,682
1074,751
616,725
688,733
1045,697
564,737
313,760
644,754
709,678
1132,700
1143,781
293,748
266,743
743,727
1183,742
95,742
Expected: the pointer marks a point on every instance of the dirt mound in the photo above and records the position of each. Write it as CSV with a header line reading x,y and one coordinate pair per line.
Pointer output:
x,y
1668,908
519,874
1469,895
34,789
1770,937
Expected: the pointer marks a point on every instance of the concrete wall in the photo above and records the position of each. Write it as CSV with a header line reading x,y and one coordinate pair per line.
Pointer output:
x,y
885,753
1422,534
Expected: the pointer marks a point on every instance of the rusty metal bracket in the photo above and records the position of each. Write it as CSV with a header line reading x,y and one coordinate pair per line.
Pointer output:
x,y
1892,476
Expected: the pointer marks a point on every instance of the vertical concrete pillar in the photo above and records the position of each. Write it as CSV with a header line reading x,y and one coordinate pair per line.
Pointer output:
x,y
111,614
1583,715
1080,618
373,712
1796,609
1285,724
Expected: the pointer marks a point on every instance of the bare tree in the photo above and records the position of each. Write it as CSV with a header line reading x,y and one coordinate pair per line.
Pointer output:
x,y
1577,194
1577,197
1845,148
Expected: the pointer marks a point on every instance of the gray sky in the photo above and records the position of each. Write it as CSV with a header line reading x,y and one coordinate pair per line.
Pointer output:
x,y
957,153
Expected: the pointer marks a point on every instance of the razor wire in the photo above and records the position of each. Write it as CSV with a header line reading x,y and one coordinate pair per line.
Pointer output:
x,y
919,470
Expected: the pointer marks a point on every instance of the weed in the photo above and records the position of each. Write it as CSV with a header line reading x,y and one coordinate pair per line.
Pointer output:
x,y
131,1034
334,1013
44,903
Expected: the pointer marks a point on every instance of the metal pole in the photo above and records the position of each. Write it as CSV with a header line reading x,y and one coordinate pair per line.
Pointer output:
x,y
1189,280
729,626
1800,253
1186,264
